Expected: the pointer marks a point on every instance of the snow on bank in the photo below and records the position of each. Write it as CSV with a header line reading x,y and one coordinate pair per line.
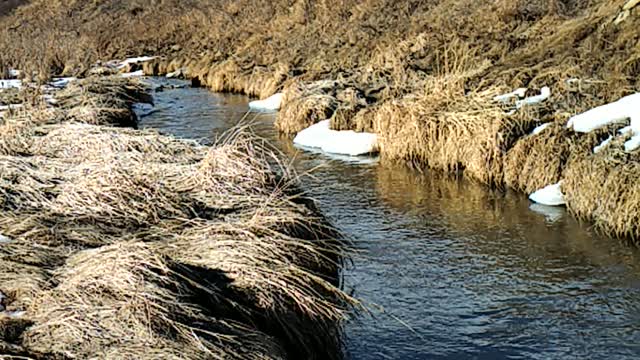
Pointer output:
x,y
602,145
4,240
540,129
613,113
337,142
10,84
134,60
133,74
176,74
551,196
504,98
271,103
545,93
601,116
62,82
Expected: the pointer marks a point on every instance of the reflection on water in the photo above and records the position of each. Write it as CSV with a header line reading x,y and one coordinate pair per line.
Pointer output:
x,y
450,269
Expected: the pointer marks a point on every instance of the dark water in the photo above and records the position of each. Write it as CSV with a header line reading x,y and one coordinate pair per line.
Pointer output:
x,y
450,269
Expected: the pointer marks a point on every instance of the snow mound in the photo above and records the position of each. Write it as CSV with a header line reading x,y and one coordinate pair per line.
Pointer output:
x,y
10,107
545,93
599,148
135,60
133,74
176,74
519,93
10,84
633,143
271,103
551,196
540,129
4,240
337,142
601,116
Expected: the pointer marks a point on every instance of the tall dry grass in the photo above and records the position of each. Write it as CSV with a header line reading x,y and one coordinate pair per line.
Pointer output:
x,y
126,243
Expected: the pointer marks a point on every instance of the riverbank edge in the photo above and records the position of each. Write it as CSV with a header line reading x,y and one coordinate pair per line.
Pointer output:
x,y
505,152
248,281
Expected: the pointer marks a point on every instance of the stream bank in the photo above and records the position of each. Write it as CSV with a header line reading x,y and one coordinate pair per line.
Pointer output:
x,y
449,268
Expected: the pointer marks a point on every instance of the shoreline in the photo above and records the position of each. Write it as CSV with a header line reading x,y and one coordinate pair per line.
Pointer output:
x,y
483,143
196,251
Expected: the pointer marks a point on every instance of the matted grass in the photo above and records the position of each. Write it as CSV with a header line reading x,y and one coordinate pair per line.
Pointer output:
x,y
604,188
126,243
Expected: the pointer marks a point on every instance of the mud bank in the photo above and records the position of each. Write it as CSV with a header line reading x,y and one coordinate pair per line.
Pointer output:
x,y
120,243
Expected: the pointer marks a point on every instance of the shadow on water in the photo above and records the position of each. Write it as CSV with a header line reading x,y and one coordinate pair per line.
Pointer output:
x,y
451,269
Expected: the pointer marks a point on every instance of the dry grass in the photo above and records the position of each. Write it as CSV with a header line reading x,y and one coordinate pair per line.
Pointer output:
x,y
539,160
603,188
130,243
125,301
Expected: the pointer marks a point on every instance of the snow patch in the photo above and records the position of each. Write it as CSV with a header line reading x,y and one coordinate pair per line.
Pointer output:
x,y
519,93
633,143
134,60
626,130
613,113
551,196
545,93
599,148
10,84
5,240
540,129
14,73
271,103
133,74
10,107
337,142
176,74
62,82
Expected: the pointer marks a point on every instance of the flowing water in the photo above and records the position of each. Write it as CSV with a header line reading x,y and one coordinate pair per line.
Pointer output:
x,y
449,268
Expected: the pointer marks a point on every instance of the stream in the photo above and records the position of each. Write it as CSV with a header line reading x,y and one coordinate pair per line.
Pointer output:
x,y
448,268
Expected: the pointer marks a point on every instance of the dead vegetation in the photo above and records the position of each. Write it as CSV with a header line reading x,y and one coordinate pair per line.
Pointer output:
x,y
603,188
125,243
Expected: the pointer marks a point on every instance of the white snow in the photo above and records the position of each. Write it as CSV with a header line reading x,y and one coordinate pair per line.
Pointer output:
x,y
14,73
10,107
62,82
175,74
133,74
271,103
540,129
520,93
134,60
545,93
9,84
625,130
4,240
616,112
633,143
337,142
550,195
599,148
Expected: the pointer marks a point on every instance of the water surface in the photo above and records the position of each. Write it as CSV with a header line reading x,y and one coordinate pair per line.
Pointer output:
x,y
450,269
